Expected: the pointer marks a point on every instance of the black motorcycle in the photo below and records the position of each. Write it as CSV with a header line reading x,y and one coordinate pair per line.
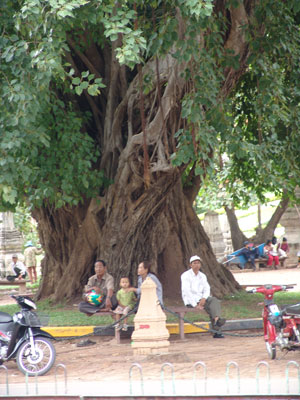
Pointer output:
x,y
22,339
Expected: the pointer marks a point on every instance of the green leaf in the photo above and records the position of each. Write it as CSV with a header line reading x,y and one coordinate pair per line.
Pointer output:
x,y
78,90
76,81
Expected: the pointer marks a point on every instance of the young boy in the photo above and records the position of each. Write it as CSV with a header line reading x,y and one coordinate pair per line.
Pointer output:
x,y
126,301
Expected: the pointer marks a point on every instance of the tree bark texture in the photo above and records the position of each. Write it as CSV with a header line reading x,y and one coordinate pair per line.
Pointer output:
x,y
160,225
132,221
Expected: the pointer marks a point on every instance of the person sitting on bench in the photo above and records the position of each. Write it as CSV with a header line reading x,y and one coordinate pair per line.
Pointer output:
x,y
271,251
101,283
250,253
195,292
18,269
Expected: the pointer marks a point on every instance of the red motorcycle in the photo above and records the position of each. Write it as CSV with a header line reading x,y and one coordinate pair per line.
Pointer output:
x,y
281,324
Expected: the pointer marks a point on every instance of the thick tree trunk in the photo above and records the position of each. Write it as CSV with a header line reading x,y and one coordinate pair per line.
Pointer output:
x,y
262,235
126,227
237,236
145,214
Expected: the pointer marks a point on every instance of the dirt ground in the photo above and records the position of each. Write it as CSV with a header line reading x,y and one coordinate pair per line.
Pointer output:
x,y
109,361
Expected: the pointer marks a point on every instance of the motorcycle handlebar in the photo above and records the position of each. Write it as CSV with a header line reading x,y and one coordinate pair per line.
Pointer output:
x,y
261,289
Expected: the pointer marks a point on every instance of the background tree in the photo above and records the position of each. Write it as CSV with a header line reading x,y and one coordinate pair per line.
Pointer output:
x,y
216,194
112,115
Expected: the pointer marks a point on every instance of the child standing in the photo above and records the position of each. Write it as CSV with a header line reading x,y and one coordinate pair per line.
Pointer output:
x,y
126,301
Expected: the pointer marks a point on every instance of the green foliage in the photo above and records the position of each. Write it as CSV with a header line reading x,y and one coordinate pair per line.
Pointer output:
x,y
44,170
87,82
49,150
248,143
25,224
214,194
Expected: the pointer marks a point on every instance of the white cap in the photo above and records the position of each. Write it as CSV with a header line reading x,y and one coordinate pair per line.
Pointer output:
x,y
194,258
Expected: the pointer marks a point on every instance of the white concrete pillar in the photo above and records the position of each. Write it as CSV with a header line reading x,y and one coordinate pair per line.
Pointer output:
x,y
150,334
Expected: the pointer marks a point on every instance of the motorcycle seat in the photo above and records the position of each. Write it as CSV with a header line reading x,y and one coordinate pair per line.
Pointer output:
x,y
4,317
291,309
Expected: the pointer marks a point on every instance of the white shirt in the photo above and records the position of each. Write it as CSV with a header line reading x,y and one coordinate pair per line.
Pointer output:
x,y
274,251
194,287
19,265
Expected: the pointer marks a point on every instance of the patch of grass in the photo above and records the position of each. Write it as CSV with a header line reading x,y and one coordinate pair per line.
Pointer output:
x,y
247,305
240,305
10,308
76,318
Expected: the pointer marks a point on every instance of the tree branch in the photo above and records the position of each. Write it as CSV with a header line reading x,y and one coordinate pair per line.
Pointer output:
x,y
236,42
83,57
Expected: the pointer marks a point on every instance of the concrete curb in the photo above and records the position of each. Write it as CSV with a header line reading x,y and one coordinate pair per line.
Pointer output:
x,y
173,328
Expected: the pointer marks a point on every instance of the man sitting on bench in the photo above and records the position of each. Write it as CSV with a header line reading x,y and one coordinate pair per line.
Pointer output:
x,y
18,269
196,293
250,253
101,283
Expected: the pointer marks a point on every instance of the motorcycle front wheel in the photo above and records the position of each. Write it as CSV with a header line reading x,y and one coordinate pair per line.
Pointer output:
x,y
271,347
38,363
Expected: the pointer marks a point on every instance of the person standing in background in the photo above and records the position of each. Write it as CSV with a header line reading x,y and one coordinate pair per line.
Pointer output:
x,y
30,260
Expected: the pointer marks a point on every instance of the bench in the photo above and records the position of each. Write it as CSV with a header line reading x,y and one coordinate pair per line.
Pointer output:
x,y
240,260
181,311
17,282
264,261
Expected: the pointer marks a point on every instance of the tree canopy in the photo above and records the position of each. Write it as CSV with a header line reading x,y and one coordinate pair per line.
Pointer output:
x,y
94,93
47,139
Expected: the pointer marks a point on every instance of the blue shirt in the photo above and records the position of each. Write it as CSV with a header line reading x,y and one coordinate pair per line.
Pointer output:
x,y
159,291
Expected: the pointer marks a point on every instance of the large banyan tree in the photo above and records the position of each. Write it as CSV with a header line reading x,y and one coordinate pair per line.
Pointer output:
x,y
114,114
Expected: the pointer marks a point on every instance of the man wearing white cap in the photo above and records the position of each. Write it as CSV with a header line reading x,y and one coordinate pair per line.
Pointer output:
x,y
196,293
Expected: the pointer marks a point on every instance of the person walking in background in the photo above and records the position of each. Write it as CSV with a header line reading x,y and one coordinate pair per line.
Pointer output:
x,y
195,292
30,254
126,302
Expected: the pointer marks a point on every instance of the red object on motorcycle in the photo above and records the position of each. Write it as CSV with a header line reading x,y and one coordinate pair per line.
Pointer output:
x,y
281,326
